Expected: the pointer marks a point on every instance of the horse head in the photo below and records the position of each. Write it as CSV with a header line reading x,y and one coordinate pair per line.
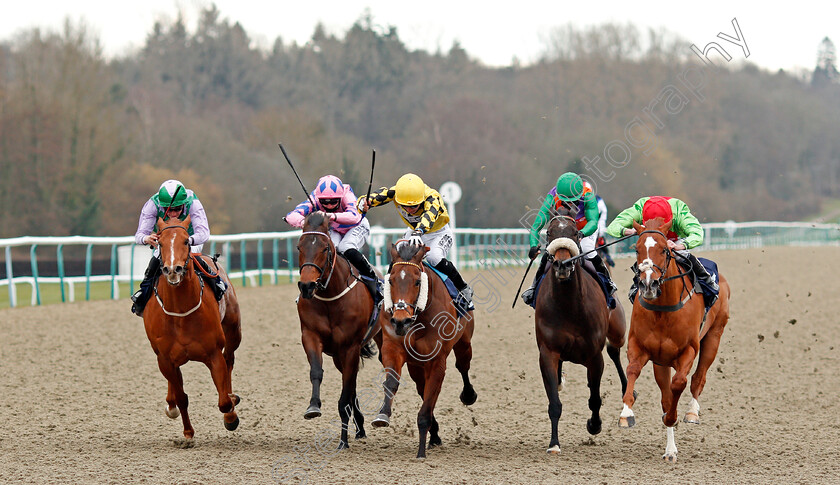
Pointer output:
x,y
407,290
564,243
653,256
174,240
316,254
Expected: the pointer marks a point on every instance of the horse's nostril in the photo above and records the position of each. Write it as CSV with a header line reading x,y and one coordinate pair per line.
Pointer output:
x,y
165,270
179,269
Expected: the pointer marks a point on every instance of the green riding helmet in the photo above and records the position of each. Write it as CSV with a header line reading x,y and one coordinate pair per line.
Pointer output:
x,y
569,187
170,189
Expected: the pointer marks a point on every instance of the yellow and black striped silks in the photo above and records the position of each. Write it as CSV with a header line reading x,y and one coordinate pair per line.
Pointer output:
x,y
431,217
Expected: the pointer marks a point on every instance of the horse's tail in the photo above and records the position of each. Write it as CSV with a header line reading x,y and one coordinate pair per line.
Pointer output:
x,y
369,349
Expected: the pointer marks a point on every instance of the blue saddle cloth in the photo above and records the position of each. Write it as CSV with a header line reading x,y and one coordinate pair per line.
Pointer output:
x,y
461,306
601,279
709,293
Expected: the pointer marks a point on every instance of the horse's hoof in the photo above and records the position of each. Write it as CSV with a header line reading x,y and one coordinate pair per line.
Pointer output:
x,y
435,441
469,396
594,427
312,412
172,412
342,445
554,450
381,421
360,435
230,426
635,395
236,399
691,418
670,457
627,422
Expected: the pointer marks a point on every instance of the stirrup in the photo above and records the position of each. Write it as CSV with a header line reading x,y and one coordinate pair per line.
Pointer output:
x,y
528,296
466,295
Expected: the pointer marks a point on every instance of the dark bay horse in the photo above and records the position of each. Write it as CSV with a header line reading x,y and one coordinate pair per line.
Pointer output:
x,y
420,326
573,323
334,312
185,322
671,331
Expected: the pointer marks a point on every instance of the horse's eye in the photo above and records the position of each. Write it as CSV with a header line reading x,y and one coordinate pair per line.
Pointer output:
x,y
417,283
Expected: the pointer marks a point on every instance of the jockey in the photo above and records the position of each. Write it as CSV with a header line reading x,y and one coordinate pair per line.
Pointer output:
x,y
171,200
602,225
422,210
569,189
348,229
685,232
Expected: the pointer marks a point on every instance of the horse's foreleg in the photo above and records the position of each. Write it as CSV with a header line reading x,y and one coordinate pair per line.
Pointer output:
x,y
549,368
708,351
678,383
418,375
615,356
425,417
594,371
636,360
392,362
316,374
175,395
662,374
221,378
463,357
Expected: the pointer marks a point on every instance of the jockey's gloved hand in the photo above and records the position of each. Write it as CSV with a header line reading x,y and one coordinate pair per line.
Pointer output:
x,y
361,204
415,239
533,252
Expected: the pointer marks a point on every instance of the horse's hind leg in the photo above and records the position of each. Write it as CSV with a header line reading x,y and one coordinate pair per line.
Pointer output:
x,y
594,371
348,365
233,337
615,356
221,378
463,357
175,395
708,351
548,368
418,375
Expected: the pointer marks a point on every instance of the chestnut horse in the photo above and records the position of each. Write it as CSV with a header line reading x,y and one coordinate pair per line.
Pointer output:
x,y
185,322
573,323
669,327
420,326
334,313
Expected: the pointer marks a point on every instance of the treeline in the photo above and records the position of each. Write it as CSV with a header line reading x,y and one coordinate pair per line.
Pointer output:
x,y
84,140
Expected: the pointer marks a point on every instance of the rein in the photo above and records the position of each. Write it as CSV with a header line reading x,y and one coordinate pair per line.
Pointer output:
x,y
647,264
422,297
331,259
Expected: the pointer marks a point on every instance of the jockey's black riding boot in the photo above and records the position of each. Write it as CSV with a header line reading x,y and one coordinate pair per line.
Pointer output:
x,y
362,264
602,268
700,270
217,283
528,295
446,267
141,296
605,253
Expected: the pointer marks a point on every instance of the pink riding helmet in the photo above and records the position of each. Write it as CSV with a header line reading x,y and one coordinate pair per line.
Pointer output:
x,y
329,187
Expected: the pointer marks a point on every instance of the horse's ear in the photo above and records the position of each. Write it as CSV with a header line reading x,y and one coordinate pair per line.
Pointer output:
x,y
421,253
394,252
667,226
187,221
638,227
160,223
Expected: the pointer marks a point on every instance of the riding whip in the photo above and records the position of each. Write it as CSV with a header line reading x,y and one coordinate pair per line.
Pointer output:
x,y
296,176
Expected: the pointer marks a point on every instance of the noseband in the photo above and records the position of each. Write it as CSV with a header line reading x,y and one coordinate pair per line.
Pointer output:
x,y
330,262
186,271
559,218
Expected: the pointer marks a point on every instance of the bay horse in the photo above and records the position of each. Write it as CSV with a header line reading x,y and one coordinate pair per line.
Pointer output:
x,y
573,322
669,328
184,322
334,312
420,326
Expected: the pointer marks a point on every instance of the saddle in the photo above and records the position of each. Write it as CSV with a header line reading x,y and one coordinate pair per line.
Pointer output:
x,y
591,269
461,305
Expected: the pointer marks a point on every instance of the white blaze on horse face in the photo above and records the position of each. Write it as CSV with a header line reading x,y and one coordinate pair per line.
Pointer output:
x,y
647,264
402,274
172,251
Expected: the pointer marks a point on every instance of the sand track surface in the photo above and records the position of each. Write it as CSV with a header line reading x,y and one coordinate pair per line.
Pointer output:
x,y
83,398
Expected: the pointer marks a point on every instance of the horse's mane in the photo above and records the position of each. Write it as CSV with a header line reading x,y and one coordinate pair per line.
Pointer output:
x,y
407,251
316,219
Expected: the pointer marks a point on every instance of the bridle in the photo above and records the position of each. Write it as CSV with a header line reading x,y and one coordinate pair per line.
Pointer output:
x,y
559,218
330,262
422,297
647,264
186,271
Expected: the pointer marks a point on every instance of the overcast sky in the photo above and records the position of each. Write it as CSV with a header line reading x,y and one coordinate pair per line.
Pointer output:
x,y
785,36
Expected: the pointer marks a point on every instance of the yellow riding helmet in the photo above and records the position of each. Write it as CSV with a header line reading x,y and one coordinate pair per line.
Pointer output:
x,y
410,190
